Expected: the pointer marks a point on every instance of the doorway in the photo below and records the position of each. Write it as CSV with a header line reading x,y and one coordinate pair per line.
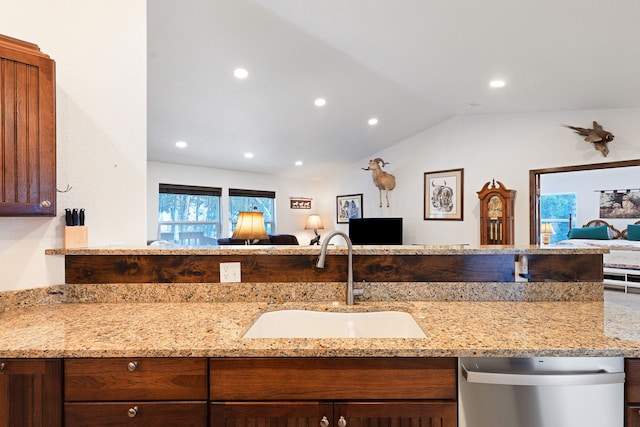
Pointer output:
x,y
537,175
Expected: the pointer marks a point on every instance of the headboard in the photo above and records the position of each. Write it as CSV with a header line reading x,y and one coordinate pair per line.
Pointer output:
x,y
623,234
614,233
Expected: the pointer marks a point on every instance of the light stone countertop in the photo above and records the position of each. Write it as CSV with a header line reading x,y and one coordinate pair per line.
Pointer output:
x,y
195,329
173,249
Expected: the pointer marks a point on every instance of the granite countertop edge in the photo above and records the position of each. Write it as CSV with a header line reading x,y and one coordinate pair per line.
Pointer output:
x,y
314,250
453,329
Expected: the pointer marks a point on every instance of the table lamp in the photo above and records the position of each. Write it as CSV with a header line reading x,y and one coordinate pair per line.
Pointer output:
x,y
250,227
547,230
314,223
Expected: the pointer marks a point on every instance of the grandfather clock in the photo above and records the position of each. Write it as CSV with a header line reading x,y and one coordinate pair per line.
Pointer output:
x,y
496,214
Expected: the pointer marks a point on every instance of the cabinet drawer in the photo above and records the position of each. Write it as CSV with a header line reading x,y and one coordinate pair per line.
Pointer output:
x,y
157,414
632,382
133,379
632,416
332,378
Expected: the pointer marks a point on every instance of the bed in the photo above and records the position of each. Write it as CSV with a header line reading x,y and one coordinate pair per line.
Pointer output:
x,y
622,263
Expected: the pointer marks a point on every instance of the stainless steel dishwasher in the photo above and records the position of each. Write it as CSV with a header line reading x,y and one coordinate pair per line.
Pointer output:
x,y
541,392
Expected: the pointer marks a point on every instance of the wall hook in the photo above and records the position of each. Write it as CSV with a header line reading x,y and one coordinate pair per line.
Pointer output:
x,y
66,190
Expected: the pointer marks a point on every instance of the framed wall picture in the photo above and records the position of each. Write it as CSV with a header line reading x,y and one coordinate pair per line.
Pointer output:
x,y
299,203
623,203
348,206
443,195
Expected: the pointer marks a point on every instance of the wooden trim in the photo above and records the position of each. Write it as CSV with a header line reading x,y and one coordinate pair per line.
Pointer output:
x,y
534,189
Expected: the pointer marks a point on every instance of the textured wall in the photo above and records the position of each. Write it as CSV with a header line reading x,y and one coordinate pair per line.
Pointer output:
x,y
100,54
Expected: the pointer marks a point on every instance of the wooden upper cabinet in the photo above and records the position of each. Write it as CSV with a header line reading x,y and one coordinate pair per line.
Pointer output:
x,y
27,130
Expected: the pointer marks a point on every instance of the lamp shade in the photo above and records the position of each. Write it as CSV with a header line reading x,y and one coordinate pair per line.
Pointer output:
x,y
250,226
546,228
314,223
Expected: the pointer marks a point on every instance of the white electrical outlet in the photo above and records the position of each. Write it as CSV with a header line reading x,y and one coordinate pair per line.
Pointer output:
x,y
229,272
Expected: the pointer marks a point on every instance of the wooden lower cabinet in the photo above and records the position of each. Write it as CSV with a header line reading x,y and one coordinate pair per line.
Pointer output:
x,y
336,414
158,392
30,392
333,392
157,414
269,414
397,414
632,392
632,414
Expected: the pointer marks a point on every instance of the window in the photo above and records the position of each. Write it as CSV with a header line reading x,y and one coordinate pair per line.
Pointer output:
x,y
189,215
555,210
250,200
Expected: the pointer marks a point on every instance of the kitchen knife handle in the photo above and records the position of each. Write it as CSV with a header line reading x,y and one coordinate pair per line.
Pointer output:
x,y
68,220
74,217
81,217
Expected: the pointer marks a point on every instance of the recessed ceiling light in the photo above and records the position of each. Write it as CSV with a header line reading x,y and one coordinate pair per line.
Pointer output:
x,y
373,121
241,73
497,83
181,144
320,102
248,155
298,163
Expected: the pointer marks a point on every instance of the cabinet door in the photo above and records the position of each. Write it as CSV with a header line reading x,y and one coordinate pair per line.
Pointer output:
x,y
28,124
632,416
271,414
136,414
395,414
30,393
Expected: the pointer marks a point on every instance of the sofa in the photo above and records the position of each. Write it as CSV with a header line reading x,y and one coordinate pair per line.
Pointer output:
x,y
274,239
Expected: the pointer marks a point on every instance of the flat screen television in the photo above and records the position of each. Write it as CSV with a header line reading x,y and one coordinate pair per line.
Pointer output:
x,y
375,231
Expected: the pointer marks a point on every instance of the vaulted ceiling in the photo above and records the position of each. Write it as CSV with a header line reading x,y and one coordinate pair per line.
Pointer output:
x,y
409,63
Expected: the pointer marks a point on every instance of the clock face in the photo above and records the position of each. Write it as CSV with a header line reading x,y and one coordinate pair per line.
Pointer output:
x,y
494,207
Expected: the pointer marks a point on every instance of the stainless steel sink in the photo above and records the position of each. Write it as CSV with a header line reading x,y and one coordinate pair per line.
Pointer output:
x,y
316,324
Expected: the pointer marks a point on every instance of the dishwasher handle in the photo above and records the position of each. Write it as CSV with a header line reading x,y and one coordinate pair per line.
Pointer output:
x,y
534,379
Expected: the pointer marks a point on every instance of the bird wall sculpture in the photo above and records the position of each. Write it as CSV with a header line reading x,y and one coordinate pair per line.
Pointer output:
x,y
598,136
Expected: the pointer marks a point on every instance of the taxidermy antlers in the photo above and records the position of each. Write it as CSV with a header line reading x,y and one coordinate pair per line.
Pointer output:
x,y
383,180
598,136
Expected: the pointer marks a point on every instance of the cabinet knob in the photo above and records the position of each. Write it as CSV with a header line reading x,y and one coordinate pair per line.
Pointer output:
x,y
131,366
2,366
324,422
132,412
45,203
342,422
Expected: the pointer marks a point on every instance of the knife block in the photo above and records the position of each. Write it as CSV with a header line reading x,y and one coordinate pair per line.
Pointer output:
x,y
75,237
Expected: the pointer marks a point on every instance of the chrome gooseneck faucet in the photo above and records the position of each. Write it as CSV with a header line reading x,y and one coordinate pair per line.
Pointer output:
x,y
323,255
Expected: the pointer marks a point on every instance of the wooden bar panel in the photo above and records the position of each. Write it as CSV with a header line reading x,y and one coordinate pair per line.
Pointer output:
x,y
565,268
332,379
287,268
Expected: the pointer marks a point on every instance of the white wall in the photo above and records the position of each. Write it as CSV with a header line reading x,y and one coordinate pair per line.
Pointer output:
x,y
288,221
100,51
100,54
502,147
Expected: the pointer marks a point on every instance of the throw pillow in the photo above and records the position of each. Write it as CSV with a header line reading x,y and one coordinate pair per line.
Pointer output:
x,y
633,232
595,233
